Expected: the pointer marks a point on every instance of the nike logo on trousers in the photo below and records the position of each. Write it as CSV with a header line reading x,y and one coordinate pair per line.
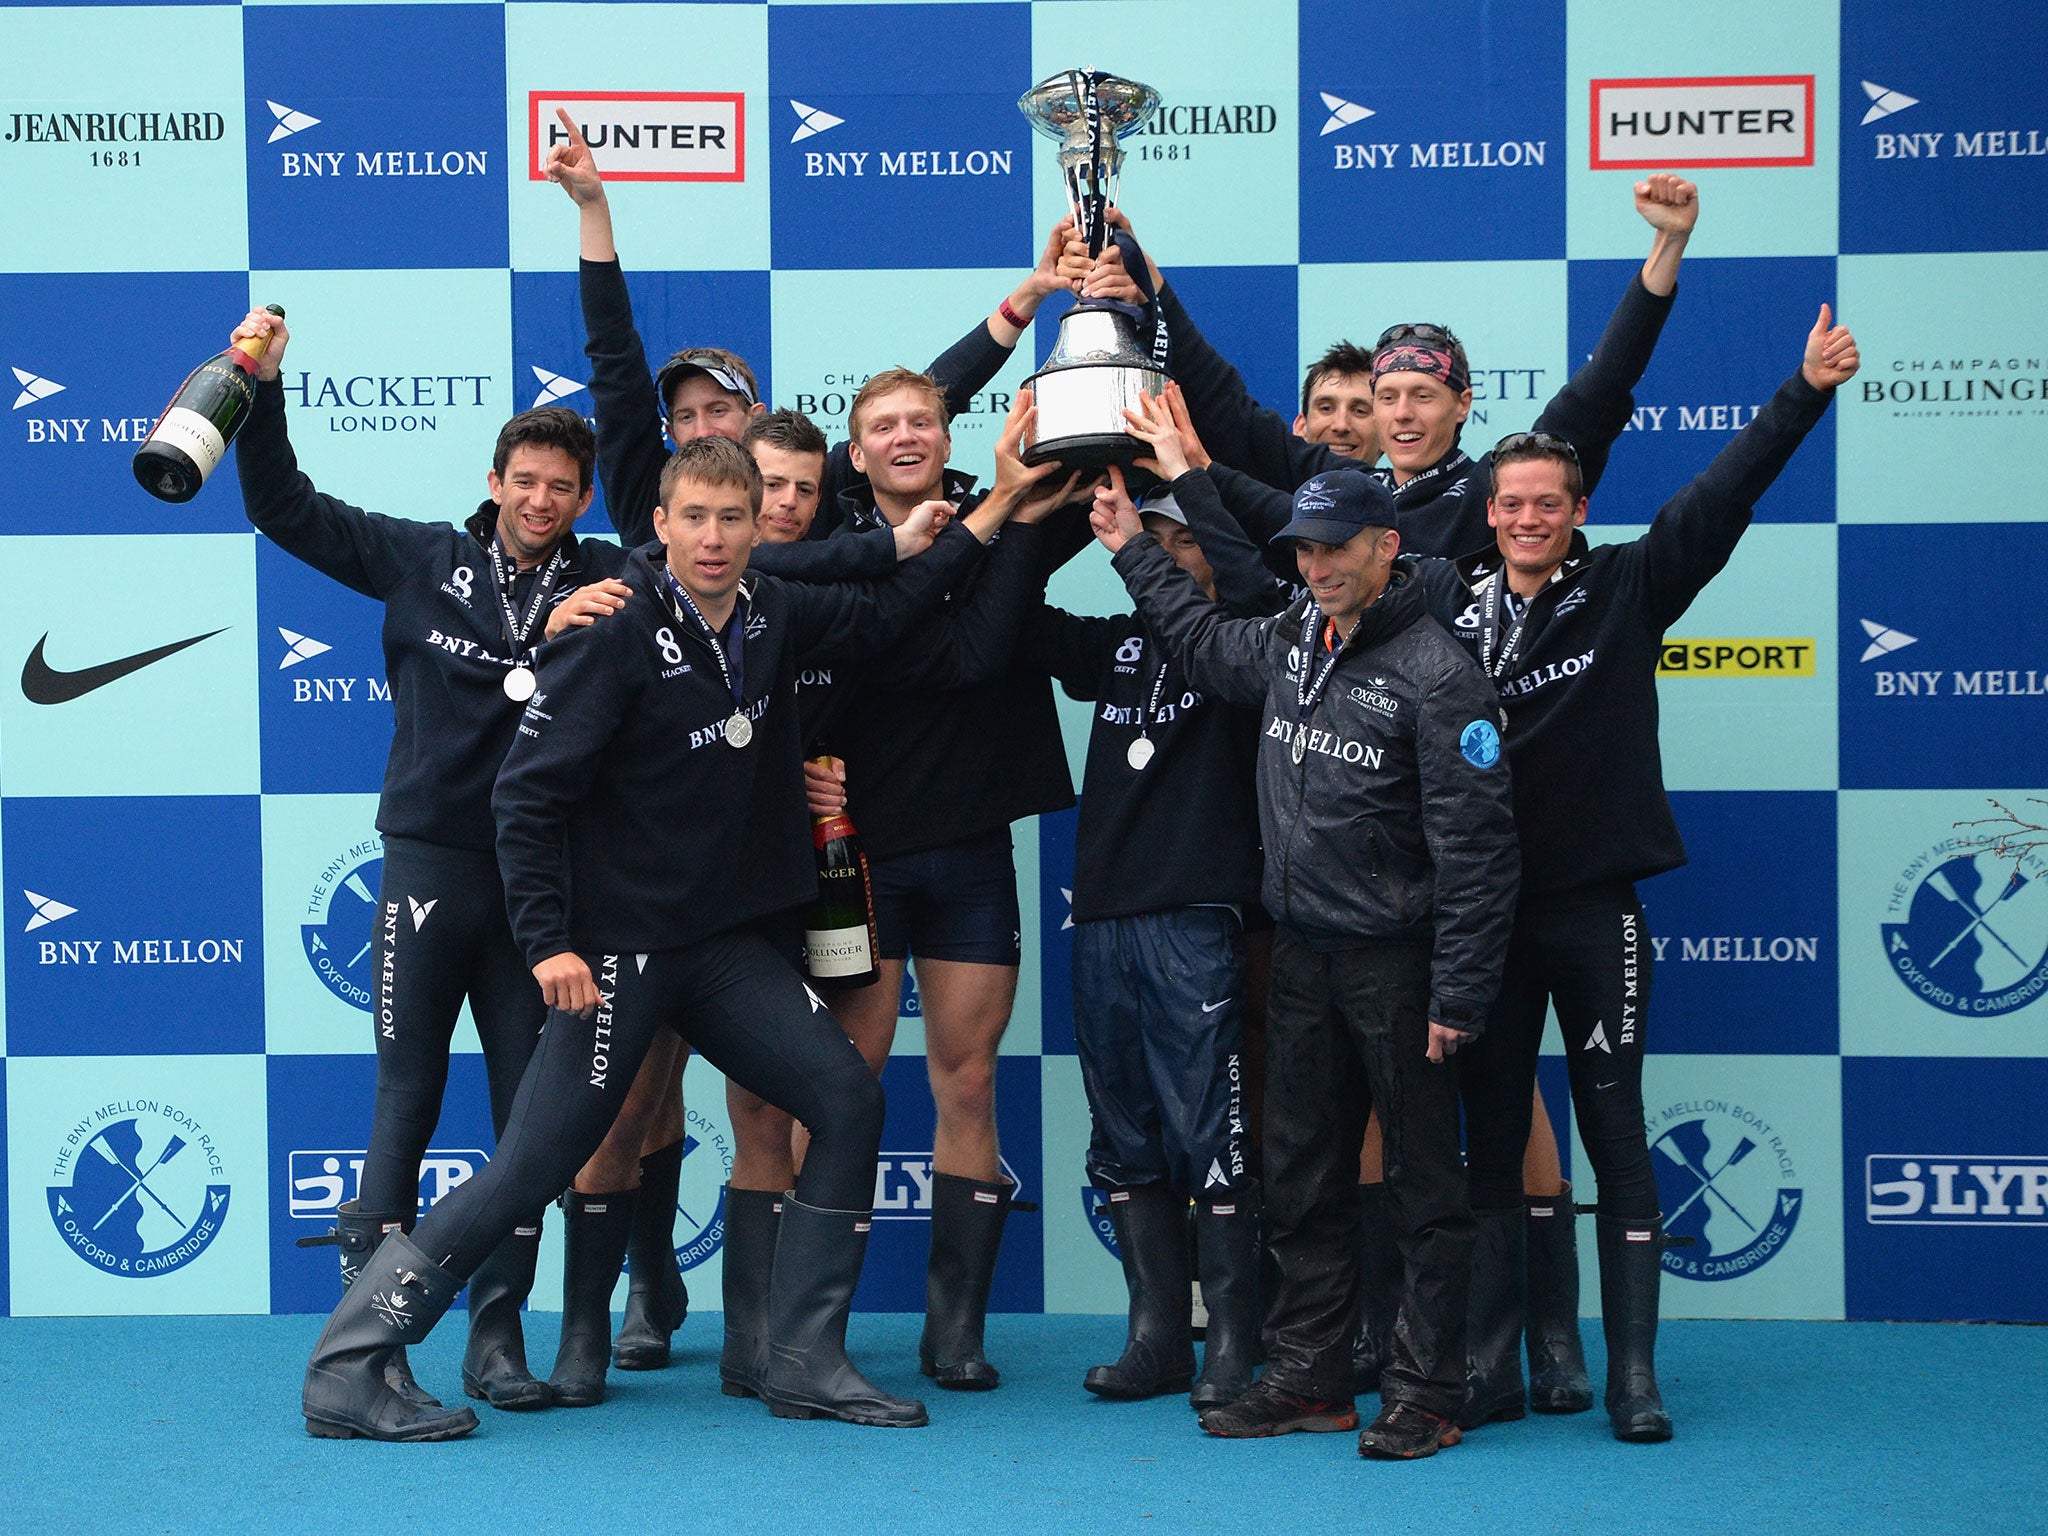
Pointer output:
x,y
42,683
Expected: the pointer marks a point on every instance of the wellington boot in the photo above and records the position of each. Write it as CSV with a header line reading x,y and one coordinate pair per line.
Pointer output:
x,y
967,1234
1379,1290
1493,1327
356,1234
818,1254
1557,1359
657,1301
494,1365
396,1299
1151,1224
594,1233
1631,1270
752,1219
1228,1253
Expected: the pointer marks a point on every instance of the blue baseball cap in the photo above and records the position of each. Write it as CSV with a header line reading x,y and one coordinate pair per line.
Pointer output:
x,y
1333,508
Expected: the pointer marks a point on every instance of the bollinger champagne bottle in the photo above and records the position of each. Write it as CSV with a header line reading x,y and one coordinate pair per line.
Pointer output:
x,y
193,434
839,927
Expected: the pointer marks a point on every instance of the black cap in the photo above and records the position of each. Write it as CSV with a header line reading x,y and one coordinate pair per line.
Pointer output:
x,y
698,360
1335,507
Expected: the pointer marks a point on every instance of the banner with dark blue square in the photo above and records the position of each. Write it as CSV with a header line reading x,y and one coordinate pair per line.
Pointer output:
x,y
377,136
1450,146
324,701
918,157
134,926
1942,678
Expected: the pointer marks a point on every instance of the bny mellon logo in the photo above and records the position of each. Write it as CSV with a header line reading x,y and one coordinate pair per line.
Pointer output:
x,y
420,911
289,122
45,910
1884,641
1342,113
34,388
300,648
553,386
811,121
1884,101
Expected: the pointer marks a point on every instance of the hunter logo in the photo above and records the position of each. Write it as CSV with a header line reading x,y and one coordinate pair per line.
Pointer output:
x,y
1734,120
644,135
138,1188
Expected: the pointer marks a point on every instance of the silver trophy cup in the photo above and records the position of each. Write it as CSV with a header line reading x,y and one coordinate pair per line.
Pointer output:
x,y
1102,363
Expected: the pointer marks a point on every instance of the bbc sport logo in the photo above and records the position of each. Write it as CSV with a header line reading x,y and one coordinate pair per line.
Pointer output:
x,y
1967,931
1726,1179
138,1189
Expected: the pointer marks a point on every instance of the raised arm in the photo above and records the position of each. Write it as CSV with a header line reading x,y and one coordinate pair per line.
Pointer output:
x,y
631,449
1696,531
1597,401
357,548
1243,583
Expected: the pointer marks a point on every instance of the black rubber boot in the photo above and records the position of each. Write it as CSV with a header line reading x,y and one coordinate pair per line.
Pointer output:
x,y
752,1217
967,1233
494,1364
1557,1359
1227,1248
594,1249
356,1234
1493,1326
1151,1224
1379,1290
395,1300
1631,1269
657,1301
818,1255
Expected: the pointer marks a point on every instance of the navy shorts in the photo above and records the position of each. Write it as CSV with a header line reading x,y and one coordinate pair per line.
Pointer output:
x,y
953,903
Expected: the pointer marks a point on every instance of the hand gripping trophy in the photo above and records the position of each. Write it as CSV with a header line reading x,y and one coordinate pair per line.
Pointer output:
x,y
1108,354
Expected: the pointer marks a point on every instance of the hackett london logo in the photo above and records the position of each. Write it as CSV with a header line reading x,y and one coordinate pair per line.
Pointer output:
x,y
386,402
1729,120
644,135
138,1188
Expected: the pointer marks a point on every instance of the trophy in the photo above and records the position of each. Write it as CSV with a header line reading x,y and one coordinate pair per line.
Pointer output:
x,y
1104,360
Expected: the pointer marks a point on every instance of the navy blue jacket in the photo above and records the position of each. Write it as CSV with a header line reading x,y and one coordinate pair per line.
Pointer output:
x,y
445,652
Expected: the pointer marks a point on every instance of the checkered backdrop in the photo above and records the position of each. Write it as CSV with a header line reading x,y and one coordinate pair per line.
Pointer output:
x,y
1848,1033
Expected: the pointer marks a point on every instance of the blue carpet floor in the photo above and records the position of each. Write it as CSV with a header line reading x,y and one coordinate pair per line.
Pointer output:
x,y
190,1424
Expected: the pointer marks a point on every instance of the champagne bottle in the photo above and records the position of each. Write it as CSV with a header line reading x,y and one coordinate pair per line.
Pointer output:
x,y
193,434
839,929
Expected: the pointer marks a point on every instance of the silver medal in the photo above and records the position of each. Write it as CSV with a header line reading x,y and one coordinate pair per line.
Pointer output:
x,y
519,684
739,730
1140,752
1300,744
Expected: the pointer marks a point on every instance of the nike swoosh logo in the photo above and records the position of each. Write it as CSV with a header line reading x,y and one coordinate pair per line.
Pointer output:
x,y
1212,1007
42,683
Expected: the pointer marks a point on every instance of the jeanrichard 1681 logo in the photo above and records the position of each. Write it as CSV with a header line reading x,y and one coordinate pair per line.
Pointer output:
x,y
138,1188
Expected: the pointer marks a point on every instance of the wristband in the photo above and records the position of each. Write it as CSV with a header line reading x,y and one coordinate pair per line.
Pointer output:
x,y
1012,316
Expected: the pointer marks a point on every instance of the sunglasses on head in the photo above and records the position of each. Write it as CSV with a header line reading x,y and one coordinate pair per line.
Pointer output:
x,y
1433,336
719,371
1543,442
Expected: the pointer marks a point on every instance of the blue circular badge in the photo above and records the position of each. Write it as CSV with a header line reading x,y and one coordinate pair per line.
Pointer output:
x,y
1481,744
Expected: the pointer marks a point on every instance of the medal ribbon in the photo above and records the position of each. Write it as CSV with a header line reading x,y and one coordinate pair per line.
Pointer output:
x,y
504,572
1307,693
734,675
1496,654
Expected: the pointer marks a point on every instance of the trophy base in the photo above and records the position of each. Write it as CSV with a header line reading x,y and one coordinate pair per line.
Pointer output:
x,y
1089,451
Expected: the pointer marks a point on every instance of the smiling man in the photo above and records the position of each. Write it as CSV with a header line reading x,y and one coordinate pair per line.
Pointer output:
x,y
464,609
1570,635
1390,872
